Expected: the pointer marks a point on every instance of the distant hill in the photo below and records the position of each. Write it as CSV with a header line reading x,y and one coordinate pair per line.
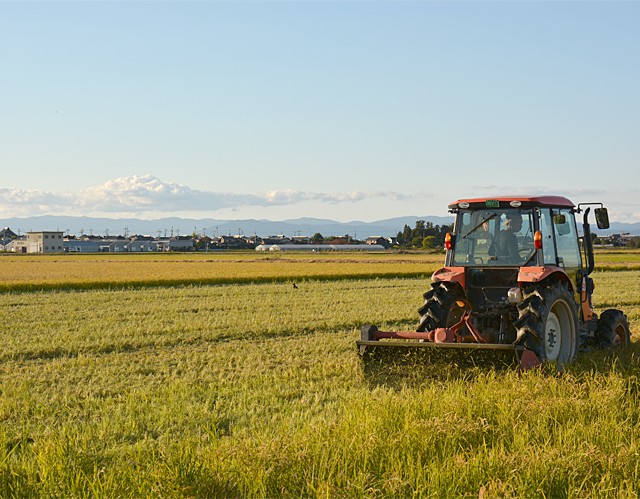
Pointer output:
x,y
212,227
619,228
292,227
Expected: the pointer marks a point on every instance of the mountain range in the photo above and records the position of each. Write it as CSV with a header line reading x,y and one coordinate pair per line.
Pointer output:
x,y
212,227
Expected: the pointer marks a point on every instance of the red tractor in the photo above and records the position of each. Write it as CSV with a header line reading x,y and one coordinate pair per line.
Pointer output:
x,y
516,277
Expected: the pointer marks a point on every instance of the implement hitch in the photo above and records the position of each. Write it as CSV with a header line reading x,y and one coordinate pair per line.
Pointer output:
x,y
449,338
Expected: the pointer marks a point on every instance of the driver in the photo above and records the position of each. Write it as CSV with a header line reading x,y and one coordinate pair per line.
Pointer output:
x,y
505,245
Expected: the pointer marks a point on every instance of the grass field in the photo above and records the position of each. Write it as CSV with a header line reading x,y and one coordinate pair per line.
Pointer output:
x,y
150,383
93,271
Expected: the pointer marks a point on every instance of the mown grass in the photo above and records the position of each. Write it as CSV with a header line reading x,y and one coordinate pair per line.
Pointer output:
x,y
256,390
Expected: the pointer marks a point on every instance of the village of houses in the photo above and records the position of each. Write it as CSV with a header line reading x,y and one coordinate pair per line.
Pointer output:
x,y
58,242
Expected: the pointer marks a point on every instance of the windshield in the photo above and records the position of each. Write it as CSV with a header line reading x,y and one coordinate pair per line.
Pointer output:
x,y
494,237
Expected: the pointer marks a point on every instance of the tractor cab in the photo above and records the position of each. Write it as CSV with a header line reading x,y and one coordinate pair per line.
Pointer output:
x,y
514,233
524,232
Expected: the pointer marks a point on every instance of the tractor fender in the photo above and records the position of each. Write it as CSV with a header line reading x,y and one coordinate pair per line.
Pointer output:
x,y
537,274
449,274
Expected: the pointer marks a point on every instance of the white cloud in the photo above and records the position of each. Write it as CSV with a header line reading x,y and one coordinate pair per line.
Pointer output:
x,y
139,194
145,196
24,202
142,195
291,197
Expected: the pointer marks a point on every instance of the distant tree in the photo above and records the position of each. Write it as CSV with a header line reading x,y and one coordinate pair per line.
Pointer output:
x,y
419,229
404,237
634,242
346,239
317,238
429,242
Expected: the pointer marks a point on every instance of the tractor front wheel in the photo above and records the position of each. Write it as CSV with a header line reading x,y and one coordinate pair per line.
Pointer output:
x,y
547,322
613,329
443,306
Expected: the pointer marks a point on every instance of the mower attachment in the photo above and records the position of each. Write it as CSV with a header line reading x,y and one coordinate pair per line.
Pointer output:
x,y
445,338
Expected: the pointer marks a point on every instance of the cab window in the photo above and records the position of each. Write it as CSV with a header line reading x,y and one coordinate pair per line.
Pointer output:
x,y
566,239
548,243
494,237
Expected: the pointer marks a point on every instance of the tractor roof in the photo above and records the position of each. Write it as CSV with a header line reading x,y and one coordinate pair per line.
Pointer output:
x,y
505,202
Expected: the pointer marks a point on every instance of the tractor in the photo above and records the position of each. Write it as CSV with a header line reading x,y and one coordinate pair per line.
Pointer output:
x,y
516,278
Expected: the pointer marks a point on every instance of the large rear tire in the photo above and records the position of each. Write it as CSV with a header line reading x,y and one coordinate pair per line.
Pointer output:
x,y
613,329
548,322
443,306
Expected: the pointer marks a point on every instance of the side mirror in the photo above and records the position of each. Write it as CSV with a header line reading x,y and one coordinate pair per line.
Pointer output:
x,y
602,218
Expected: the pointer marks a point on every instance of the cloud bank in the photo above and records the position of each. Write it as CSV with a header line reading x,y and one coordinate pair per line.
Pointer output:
x,y
141,195
147,197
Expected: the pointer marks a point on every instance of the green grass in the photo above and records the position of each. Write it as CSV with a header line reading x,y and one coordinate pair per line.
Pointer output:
x,y
256,390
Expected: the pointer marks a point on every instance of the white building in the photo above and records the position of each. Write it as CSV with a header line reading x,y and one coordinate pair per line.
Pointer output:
x,y
319,247
41,242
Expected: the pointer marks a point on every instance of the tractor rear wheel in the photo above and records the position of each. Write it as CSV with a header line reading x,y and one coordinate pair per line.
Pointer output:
x,y
613,329
547,322
443,306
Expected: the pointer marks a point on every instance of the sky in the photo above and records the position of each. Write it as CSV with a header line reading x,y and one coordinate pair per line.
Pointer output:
x,y
346,110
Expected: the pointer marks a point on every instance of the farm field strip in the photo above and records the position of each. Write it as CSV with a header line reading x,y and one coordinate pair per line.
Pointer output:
x,y
72,323
617,256
58,273
109,320
617,290
50,272
290,415
256,389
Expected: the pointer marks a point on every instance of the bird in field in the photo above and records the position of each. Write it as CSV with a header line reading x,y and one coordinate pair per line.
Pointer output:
x,y
295,286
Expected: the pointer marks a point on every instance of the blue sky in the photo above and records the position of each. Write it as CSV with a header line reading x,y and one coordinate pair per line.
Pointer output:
x,y
346,110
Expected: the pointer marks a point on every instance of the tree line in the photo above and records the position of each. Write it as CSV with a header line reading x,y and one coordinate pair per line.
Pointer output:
x,y
424,235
